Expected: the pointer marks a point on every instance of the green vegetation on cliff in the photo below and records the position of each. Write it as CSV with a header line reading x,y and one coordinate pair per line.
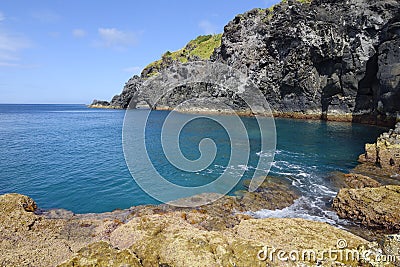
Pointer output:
x,y
200,48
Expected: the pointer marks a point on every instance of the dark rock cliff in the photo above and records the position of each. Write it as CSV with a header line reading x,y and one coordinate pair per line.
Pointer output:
x,y
121,101
326,59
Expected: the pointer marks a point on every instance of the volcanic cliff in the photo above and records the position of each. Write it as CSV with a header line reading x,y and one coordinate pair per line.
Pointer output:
x,y
329,59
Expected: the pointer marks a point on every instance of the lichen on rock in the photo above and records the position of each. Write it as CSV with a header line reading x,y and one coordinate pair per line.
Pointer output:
x,y
372,207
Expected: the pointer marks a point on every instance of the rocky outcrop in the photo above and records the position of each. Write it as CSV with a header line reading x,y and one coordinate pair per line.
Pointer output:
x,y
102,254
30,236
28,239
272,194
336,60
158,236
385,153
129,92
330,58
122,100
174,241
352,180
372,207
99,104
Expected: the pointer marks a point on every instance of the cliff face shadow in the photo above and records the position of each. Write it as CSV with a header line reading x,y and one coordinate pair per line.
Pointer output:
x,y
378,95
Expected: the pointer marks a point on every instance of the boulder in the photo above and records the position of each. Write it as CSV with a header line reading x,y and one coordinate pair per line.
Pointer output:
x,y
372,207
352,180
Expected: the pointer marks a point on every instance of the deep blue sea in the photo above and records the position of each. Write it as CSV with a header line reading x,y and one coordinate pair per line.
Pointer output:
x,y
71,157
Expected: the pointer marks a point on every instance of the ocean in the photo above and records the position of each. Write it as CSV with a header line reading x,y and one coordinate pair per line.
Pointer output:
x,y
71,157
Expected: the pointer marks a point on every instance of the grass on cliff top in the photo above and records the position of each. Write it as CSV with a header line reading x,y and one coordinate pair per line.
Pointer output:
x,y
285,1
300,1
202,47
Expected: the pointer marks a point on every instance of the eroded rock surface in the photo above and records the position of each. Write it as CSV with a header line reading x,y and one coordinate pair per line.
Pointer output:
x,y
29,239
329,58
213,235
385,153
121,101
336,60
372,207
352,180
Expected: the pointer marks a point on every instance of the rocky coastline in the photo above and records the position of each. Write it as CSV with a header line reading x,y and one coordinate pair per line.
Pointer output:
x,y
306,64
321,59
217,234
221,233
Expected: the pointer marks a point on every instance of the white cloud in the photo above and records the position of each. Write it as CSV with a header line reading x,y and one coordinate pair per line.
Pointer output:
x,y
2,17
10,47
12,42
9,64
133,70
46,16
114,38
79,33
208,27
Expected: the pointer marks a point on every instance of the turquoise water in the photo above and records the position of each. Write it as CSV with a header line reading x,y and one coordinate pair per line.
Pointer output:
x,y
69,156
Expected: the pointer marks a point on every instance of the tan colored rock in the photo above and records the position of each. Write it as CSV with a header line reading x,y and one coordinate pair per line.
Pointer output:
x,y
353,180
28,239
373,207
226,211
273,193
391,246
156,236
385,153
14,214
102,254
173,241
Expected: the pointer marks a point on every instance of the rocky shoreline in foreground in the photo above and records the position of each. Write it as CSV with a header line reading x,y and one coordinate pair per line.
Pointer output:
x,y
218,234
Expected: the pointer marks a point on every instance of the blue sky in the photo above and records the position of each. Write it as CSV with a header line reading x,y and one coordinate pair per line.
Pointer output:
x,y
55,51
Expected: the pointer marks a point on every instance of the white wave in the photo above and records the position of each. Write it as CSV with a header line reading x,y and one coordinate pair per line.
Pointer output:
x,y
304,208
262,154
244,167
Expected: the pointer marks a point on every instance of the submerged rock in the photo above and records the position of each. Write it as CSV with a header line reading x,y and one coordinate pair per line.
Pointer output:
x,y
372,207
274,193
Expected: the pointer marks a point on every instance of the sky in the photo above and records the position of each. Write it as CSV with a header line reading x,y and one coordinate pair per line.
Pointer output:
x,y
54,51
